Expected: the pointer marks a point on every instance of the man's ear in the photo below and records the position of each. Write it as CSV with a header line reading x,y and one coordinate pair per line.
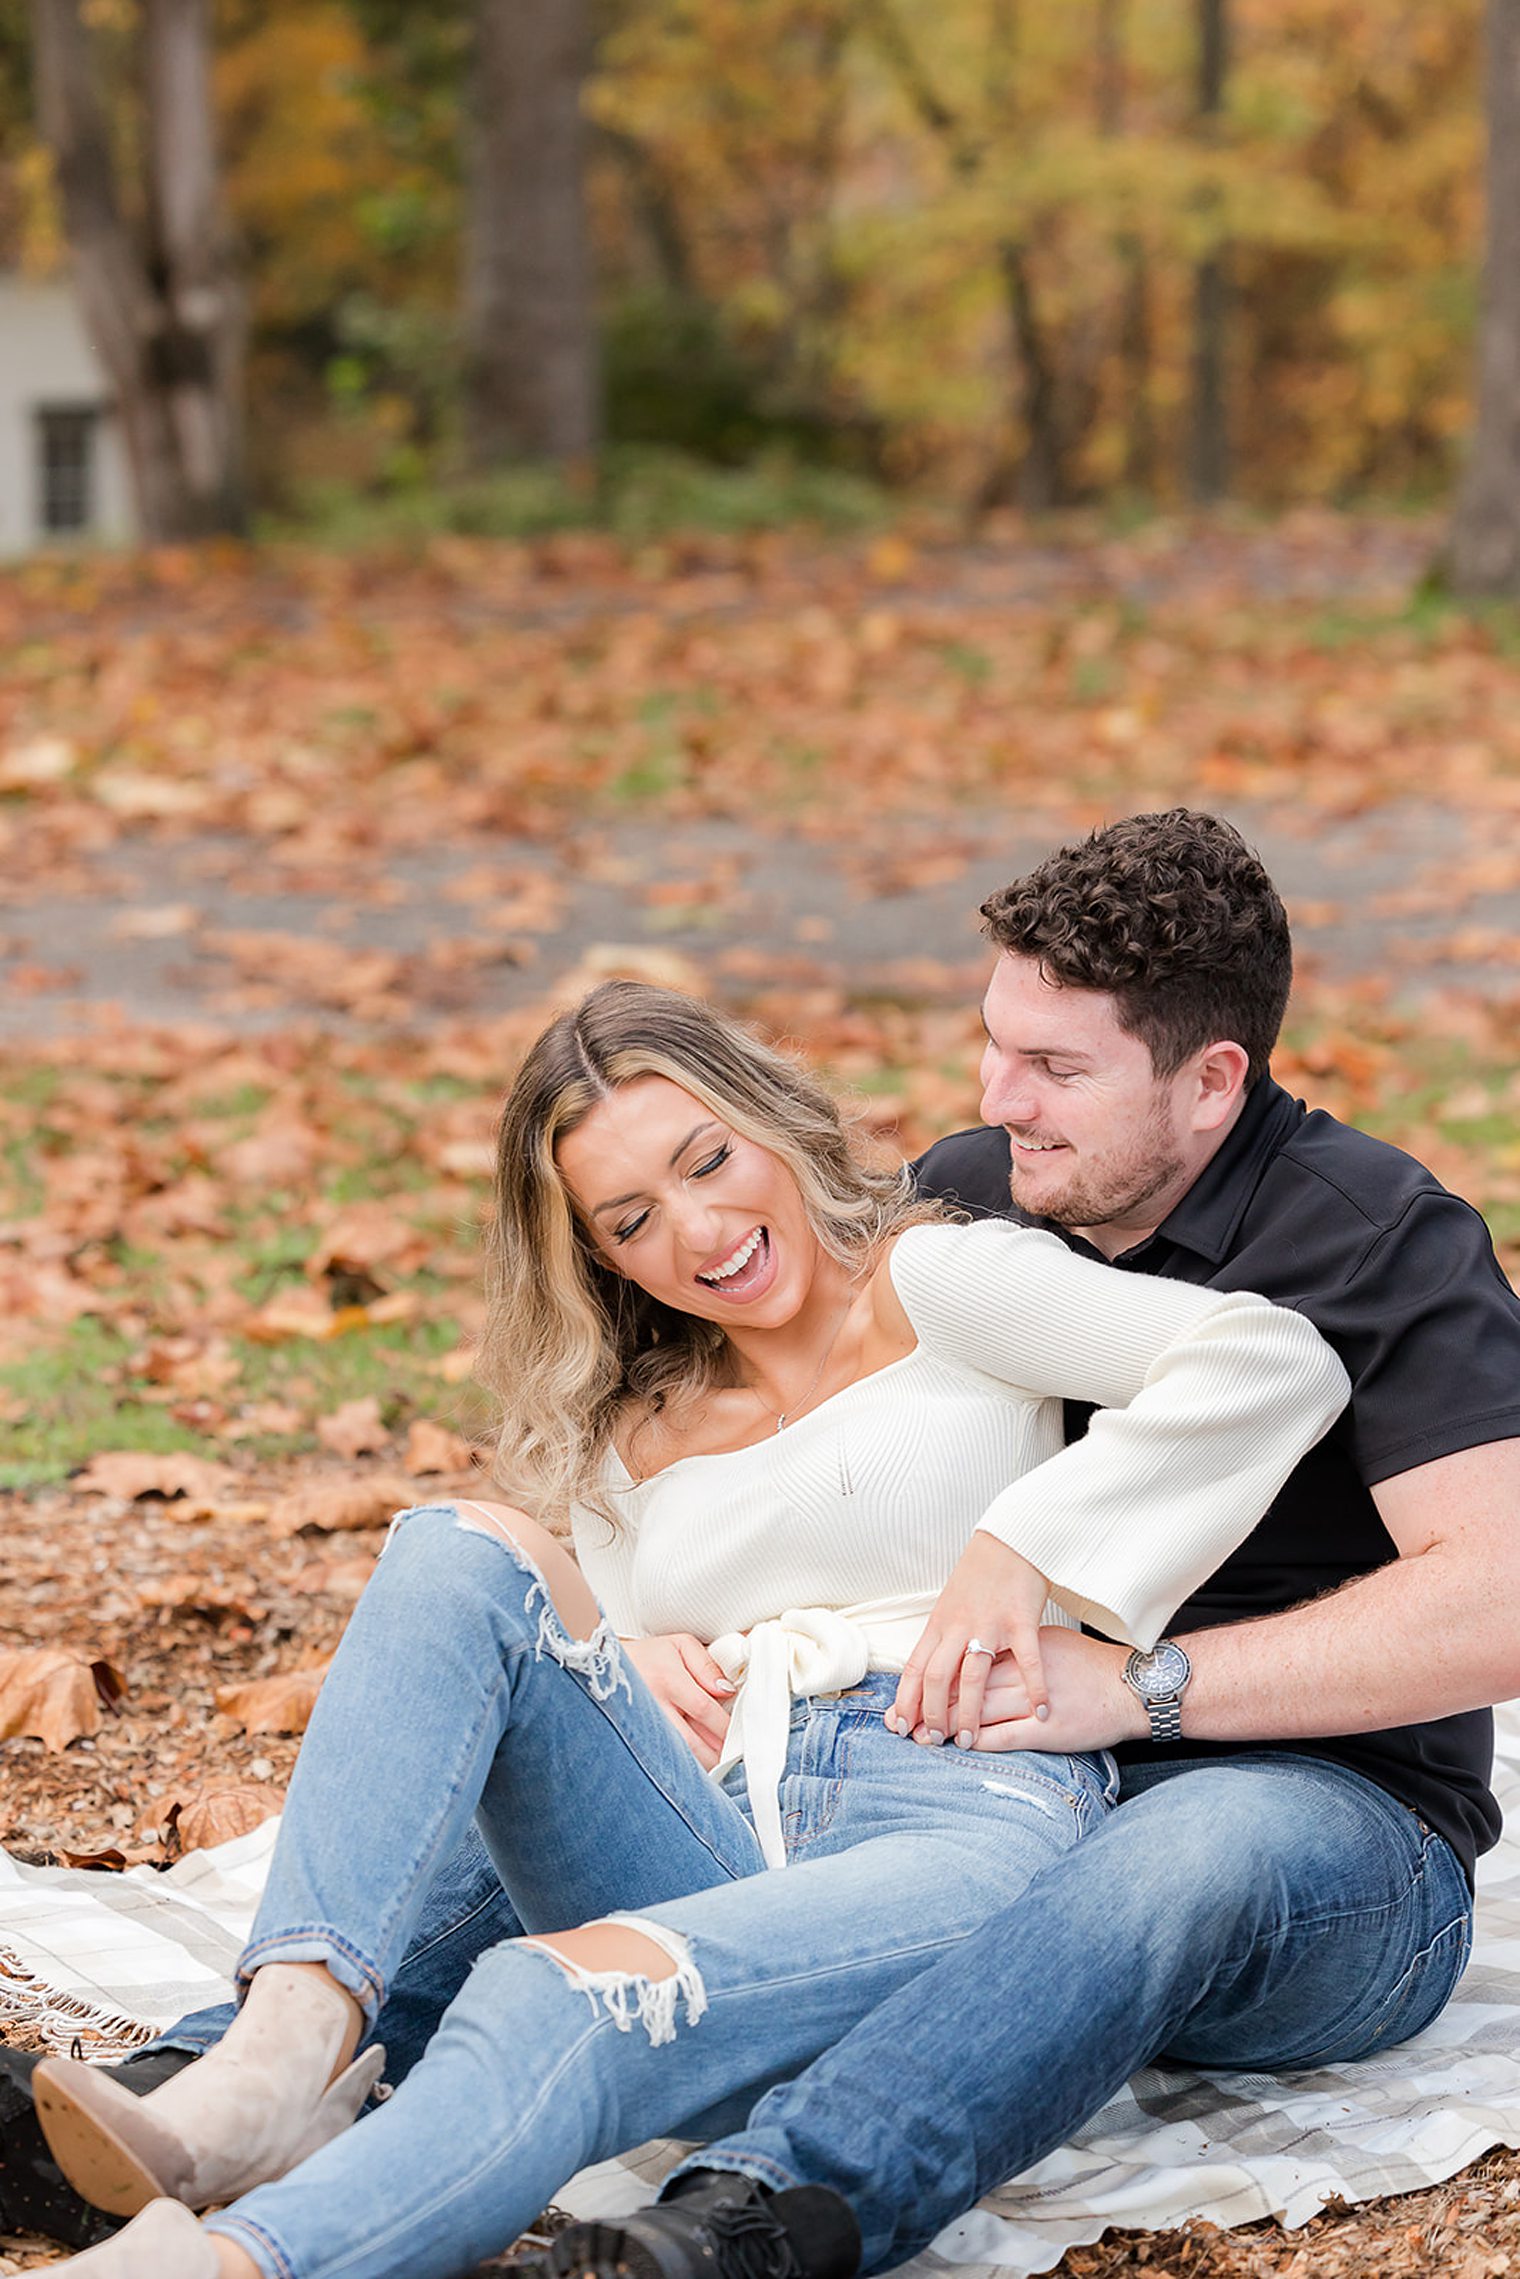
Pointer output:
x,y
1220,1079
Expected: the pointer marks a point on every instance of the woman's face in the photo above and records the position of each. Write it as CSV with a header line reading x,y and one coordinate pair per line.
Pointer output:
x,y
675,1199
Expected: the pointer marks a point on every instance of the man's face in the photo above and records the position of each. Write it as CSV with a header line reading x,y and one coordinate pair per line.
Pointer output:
x,y
1098,1142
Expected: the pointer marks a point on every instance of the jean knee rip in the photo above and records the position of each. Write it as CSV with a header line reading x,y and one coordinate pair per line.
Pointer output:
x,y
597,1659
630,1997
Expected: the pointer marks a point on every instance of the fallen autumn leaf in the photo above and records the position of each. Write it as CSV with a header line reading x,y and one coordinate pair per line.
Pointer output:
x,y
53,1696
280,1704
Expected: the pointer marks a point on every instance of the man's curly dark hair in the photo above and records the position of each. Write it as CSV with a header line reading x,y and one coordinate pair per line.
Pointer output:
x,y
1174,917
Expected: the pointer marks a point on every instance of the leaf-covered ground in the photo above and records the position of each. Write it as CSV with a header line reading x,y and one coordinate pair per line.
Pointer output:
x,y
349,807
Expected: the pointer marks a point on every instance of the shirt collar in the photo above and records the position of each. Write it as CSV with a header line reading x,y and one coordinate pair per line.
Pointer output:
x,y
1209,1214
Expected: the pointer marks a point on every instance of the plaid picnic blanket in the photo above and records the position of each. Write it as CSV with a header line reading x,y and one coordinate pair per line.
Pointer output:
x,y
110,1958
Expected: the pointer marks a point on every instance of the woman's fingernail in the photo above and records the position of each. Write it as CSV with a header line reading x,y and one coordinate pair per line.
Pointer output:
x,y
724,1685
1043,1712
936,1738
963,1740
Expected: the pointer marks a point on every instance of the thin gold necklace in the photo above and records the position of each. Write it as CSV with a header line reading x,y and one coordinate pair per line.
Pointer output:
x,y
784,1417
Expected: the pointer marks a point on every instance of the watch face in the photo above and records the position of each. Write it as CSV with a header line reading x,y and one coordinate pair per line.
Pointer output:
x,y
1164,1672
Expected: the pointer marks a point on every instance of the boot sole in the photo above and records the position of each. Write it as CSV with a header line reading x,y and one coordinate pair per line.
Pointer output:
x,y
601,2251
99,2164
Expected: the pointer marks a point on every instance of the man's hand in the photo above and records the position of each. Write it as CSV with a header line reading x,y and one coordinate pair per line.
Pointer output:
x,y
994,1598
690,1688
1091,1707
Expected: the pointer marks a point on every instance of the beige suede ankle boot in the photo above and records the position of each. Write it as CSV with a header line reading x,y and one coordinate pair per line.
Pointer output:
x,y
164,2242
257,2103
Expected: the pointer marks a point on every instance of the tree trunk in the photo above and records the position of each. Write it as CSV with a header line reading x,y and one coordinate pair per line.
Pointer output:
x,y
656,211
1040,483
1208,438
1135,358
166,318
1484,552
1108,68
533,383
196,353
1134,304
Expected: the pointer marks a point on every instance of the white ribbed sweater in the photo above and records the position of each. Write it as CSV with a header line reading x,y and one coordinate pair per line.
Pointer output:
x,y
1207,1400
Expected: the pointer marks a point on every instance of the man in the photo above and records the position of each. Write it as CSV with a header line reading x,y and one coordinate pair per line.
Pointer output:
x,y
1289,1882
1287,1879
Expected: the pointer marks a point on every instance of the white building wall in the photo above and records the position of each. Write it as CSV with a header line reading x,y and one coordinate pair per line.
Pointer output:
x,y
46,358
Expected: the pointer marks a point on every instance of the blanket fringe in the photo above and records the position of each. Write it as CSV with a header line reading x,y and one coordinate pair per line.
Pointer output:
x,y
59,2020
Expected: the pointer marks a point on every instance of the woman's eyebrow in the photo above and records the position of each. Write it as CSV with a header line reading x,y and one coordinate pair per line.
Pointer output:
x,y
616,1202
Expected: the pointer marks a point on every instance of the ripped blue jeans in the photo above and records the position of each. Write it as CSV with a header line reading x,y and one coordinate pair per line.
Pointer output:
x,y
457,1695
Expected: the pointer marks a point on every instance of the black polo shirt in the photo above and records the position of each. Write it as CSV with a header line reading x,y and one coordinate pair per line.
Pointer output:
x,y
1400,1276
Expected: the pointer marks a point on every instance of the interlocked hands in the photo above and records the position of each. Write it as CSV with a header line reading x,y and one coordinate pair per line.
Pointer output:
x,y
990,1608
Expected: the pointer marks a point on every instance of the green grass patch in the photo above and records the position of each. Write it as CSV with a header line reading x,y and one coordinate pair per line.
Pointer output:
x,y
28,1086
395,1363
80,1395
75,1400
664,768
1429,614
1093,679
970,663
640,493
271,1253
241,1102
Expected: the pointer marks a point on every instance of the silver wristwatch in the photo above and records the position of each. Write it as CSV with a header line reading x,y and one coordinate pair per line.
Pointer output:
x,y
1160,1679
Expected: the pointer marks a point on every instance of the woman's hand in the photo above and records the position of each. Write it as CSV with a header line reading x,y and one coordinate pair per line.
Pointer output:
x,y
1091,1707
690,1688
992,1604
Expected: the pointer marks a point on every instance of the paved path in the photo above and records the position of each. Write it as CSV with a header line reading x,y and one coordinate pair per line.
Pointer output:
x,y
173,928
183,930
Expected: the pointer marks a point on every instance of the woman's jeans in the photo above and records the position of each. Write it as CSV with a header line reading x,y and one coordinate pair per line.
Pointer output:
x,y
456,1695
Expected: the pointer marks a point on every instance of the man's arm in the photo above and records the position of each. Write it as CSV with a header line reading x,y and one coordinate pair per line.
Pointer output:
x,y
1428,1635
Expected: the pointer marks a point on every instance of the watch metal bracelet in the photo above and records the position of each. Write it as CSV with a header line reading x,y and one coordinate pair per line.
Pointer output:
x,y
1160,1678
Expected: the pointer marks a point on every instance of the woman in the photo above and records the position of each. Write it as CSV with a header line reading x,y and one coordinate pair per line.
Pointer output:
x,y
773,1399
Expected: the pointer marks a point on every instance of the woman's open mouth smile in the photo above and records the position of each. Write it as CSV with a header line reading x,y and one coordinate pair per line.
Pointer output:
x,y
745,1271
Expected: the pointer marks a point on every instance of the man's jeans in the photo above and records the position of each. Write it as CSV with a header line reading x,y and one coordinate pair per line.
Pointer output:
x,y
1261,1913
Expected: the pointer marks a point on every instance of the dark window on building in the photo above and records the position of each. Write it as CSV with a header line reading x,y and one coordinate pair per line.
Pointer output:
x,y
66,467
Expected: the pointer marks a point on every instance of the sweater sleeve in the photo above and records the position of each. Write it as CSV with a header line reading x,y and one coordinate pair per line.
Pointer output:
x,y
1208,1400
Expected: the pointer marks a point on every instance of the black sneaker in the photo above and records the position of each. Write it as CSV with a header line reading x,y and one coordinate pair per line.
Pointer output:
x,y
720,2227
34,2196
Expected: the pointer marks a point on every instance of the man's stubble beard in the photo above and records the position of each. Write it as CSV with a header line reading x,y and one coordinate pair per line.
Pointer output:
x,y
1115,1192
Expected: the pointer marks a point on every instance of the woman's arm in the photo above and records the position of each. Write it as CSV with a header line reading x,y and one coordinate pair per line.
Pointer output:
x,y
1221,1395
1428,1635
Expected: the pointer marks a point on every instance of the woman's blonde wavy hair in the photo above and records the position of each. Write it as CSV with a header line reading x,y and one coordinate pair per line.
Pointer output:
x,y
569,1343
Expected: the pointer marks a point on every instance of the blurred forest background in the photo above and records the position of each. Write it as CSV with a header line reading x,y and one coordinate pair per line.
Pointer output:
x,y
1129,253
